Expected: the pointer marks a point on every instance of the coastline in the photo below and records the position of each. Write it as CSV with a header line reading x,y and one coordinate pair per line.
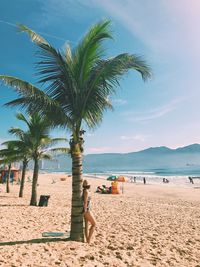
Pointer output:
x,y
148,225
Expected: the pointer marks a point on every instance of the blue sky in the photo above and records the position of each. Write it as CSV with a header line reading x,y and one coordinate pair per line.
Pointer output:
x,y
164,111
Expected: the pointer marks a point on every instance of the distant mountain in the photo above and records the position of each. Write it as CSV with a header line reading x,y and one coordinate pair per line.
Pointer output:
x,y
195,148
156,150
148,159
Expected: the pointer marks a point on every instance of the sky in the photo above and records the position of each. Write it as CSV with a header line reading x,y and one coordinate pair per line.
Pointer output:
x,y
161,112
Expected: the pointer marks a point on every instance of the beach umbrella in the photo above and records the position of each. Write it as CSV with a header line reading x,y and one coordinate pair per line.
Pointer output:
x,y
112,178
121,179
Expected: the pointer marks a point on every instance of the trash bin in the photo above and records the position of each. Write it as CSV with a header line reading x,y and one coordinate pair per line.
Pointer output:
x,y
43,201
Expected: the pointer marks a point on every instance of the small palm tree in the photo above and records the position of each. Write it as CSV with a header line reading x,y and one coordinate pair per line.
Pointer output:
x,y
8,156
22,144
35,143
78,83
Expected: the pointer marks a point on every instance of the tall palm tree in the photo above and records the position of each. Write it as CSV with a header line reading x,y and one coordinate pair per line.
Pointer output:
x,y
78,83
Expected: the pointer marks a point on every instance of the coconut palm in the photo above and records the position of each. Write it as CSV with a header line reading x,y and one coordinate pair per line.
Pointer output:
x,y
9,155
79,83
36,143
23,144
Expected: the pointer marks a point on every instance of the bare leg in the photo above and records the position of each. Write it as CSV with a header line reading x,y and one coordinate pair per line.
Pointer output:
x,y
86,229
89,217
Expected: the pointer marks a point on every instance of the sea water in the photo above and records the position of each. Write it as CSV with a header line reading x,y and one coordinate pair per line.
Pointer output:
x,y
175,176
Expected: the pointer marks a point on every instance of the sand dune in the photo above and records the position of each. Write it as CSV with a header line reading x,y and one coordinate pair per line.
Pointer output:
x,y
146,226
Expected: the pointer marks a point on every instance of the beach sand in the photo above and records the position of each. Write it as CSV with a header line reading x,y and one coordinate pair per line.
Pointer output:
x,y
148,225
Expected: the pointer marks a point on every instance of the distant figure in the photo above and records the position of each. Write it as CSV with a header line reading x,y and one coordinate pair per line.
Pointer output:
x,y
166,181
53,181
144,180
191,180
131,179
5,177
134,179
12,177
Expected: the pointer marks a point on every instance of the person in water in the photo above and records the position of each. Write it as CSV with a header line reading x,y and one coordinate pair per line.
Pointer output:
x,y
88,216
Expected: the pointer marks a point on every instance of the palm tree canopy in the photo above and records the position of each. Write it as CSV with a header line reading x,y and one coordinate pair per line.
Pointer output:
x,y
35,140
10,154
78,82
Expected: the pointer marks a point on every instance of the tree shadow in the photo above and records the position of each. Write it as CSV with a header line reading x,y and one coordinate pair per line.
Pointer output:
x,y
9,196
13,205
34,241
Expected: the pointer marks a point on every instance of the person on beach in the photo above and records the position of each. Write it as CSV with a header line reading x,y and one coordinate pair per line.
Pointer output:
x,y
191,180
88,216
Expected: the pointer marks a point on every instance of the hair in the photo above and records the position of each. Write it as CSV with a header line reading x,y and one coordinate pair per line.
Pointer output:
x,y
85,185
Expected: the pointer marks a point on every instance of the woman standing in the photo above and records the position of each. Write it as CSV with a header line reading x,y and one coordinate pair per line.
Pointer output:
x,y
88,216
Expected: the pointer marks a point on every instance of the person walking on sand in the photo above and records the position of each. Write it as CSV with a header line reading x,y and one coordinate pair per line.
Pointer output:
x,y
88,216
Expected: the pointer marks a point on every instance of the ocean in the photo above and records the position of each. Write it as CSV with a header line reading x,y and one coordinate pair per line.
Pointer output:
x,y
175,176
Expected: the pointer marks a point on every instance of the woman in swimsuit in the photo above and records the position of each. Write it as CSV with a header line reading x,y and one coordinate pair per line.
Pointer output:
x,y
88,216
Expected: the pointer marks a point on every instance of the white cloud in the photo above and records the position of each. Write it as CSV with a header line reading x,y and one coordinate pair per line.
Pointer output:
x,y
89,134
119,101
98,150
153,113
137,137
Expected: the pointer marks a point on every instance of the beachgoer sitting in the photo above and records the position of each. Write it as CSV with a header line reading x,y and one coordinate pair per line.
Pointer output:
x,y
99,189
104,189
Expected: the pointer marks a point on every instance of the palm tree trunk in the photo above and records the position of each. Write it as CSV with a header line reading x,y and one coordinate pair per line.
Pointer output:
x,y
77,201
34,183
8,179
23,178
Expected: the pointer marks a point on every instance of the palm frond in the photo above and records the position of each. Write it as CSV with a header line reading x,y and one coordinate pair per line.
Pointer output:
x,y
32,99
90,50
17,132
60,149
33,35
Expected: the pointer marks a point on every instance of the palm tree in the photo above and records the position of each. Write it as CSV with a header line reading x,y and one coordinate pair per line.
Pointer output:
x,y
35,143
78,83
8,156
23,144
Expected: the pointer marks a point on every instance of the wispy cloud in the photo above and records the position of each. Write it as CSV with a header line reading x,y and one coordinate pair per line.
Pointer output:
x,y
119,102
39,32
89,134
54,11
98,149
153,113
162,25
137,137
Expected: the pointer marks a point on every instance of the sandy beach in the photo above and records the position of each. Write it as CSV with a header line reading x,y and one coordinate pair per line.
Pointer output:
x,y
148,225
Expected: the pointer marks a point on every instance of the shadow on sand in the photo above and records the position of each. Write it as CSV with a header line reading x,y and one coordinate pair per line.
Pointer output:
x,y
34,241
9,196
14,205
